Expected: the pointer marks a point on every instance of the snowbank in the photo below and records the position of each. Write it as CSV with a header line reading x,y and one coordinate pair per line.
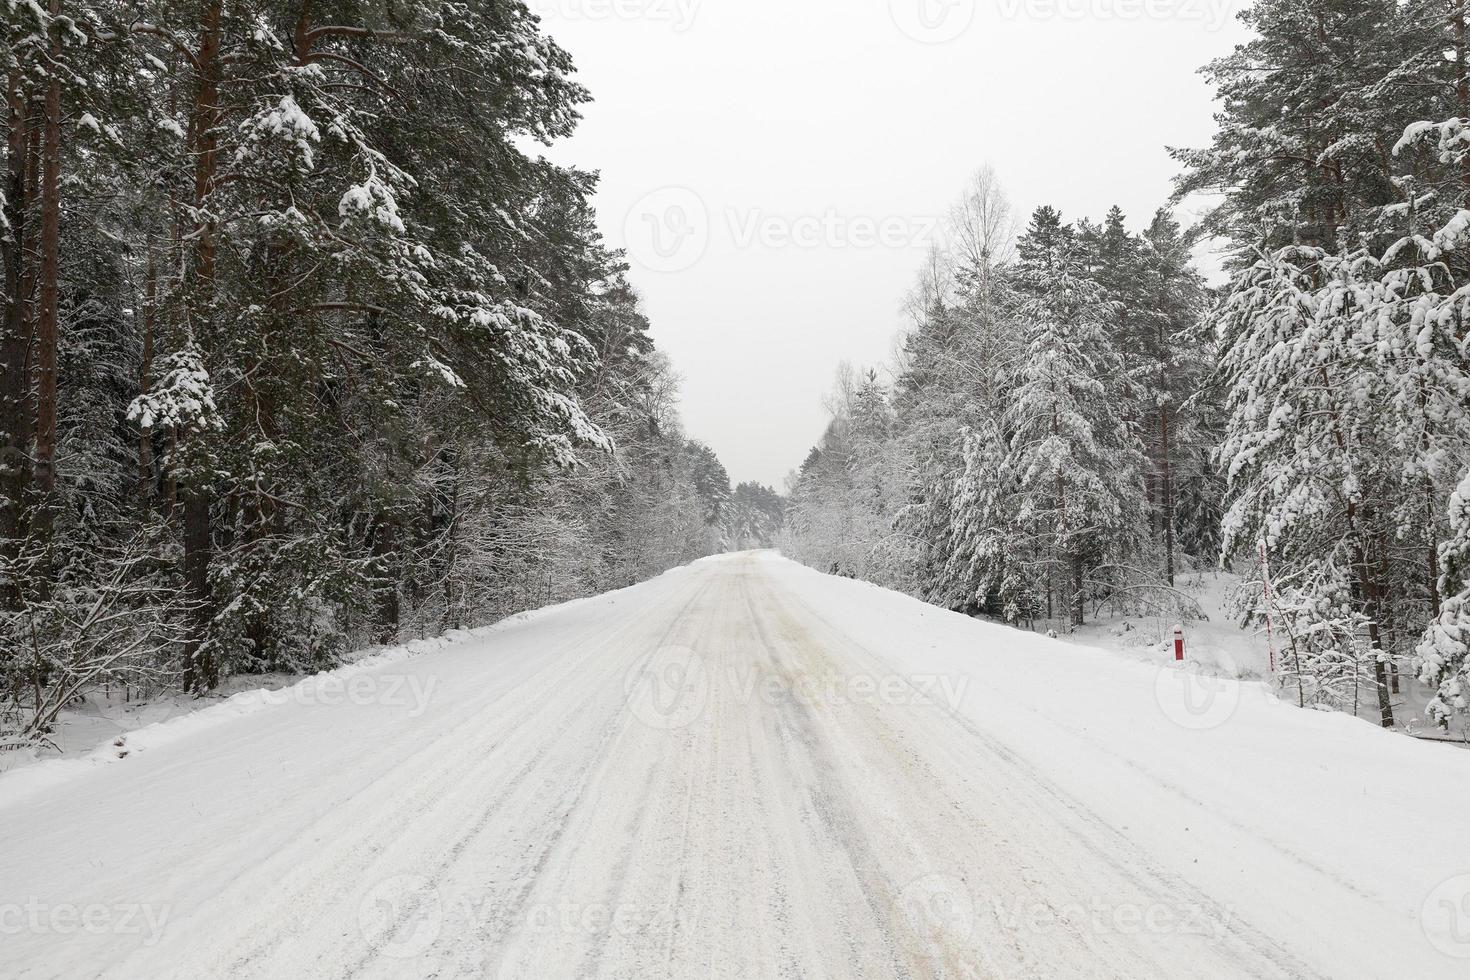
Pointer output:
x,y
1175,756
25,775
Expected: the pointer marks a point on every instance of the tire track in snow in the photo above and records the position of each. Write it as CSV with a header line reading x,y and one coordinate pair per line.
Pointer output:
x,y
552,873
773,832
1249,953
450,780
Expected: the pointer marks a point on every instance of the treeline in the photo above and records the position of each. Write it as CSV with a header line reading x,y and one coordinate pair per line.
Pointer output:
x,y
1044,444
755,517
1061,429
1343,169
304,347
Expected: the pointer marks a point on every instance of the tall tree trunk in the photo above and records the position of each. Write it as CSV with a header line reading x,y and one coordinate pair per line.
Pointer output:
x,y
1063,537
1050,575
1462,83
1165,463
48,315
15,416
145,375
1460,53
1380,679
385,544
1431,548
453,597
201,668
1078,601
1166,492
1369,601
1364,593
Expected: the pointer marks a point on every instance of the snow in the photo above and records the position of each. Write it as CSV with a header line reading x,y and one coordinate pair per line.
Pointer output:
x,y
183,399
1217,647
170,719
746,768
287,122
434,367
1215,642
1453,233
374,200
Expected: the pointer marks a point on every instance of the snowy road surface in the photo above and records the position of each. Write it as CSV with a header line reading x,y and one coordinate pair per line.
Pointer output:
x,y
746,769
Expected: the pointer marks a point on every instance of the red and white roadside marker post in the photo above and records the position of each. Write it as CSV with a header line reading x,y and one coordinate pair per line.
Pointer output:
x,y
1179,643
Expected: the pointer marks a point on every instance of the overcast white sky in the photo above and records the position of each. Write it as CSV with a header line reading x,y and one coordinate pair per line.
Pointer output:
x,y
774,166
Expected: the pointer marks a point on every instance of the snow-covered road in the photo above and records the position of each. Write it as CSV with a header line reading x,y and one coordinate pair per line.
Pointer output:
x,y
746,769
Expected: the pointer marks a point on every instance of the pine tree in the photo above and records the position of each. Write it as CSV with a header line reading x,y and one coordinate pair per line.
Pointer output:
x,y
283,375
1076,460
1303,139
